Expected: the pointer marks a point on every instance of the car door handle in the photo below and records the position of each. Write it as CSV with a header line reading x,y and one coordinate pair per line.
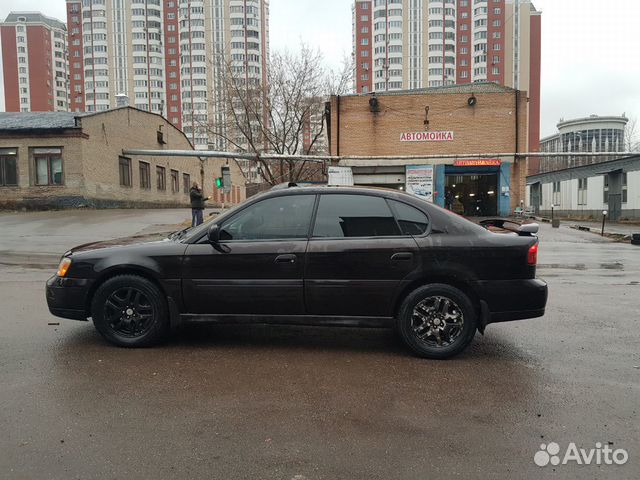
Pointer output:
x,y
286,258
402,256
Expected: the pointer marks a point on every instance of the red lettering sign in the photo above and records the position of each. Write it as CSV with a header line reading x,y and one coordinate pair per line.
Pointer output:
x,y
484,162
426,137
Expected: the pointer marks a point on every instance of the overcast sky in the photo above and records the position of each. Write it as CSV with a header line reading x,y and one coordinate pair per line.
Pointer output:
x,y
590,48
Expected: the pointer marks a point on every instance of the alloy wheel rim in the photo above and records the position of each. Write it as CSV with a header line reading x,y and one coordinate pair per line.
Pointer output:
x,y
129,312
437,321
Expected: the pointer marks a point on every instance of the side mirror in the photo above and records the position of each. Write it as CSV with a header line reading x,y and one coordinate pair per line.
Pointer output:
x,y
214,234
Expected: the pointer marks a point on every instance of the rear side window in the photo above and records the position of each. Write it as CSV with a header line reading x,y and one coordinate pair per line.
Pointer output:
x,y
274,218
412,221
354,216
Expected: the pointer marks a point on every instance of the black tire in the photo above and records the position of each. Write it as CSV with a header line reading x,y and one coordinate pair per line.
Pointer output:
x,y
423,330
130,311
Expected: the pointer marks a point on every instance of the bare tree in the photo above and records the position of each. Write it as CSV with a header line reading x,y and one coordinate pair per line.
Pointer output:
x,y
632,135
284,115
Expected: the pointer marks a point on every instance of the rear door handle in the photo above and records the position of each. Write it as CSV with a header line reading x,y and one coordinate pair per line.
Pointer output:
x,y
286,258
402,256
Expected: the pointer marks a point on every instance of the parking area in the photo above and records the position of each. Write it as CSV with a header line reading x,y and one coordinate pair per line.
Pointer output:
x,y
313,403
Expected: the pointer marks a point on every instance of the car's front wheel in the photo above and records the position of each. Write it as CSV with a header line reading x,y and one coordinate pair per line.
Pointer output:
x,y
436,321
130,311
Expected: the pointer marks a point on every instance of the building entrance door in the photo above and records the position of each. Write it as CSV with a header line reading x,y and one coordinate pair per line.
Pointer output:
x,y
472,195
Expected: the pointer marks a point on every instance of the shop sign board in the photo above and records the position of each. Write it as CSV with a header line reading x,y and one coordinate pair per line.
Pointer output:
x,y
426,137
340,176
482,162
419,181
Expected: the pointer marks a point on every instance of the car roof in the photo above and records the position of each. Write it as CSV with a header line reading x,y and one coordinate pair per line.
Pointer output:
x,y
284,189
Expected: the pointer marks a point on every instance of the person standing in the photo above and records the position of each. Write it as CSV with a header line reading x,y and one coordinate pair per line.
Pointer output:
x,y
197,204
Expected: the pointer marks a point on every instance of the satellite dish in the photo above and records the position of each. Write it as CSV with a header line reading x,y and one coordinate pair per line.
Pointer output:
x,y
472,100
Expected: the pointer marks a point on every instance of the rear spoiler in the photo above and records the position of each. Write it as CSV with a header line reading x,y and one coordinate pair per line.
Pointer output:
x,y
522,229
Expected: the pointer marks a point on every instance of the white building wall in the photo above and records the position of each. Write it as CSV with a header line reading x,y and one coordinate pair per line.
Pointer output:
x,y
547,196
595,193
633,191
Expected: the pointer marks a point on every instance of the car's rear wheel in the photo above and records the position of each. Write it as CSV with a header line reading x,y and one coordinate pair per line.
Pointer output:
x,y
130,311
436,321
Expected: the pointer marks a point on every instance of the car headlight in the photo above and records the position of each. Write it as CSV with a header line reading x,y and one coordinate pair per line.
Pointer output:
x,y
63,268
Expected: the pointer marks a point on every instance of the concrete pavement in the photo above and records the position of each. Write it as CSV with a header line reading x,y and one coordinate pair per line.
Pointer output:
x,y
313,403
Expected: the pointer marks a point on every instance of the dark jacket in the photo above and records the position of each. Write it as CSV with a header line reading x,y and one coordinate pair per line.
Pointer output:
x,y
197,198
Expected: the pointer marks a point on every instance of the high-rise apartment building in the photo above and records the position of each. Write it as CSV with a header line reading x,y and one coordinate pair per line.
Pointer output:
x,y
165,56
411,44
34,62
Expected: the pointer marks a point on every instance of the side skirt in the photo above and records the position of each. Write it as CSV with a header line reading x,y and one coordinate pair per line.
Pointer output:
x,y
309,320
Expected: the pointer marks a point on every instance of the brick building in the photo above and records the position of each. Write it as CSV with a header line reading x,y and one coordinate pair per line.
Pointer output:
x,y
403,44
62,159
34,58
166,57
482,118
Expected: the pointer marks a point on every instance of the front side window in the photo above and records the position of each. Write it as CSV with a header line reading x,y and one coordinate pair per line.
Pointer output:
x,y
8,167
411,220
286,217
354,216
48,166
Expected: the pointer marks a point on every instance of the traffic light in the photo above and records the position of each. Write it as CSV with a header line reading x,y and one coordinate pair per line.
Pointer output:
x,y
219,182
226,179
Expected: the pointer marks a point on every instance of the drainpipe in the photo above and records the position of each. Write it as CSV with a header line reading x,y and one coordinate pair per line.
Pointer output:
x,y
338,125
517,141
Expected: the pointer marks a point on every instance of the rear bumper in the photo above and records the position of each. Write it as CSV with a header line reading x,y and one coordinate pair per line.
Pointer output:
x,y
512,299
66,297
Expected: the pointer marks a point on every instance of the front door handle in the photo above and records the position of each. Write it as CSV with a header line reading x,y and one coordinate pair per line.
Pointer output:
x,y
291,258
402,256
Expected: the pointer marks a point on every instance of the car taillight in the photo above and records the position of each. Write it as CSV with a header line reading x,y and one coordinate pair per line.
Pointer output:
x,y
532,256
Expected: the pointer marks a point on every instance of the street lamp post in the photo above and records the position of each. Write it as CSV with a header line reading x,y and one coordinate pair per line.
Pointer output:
x,y
604,218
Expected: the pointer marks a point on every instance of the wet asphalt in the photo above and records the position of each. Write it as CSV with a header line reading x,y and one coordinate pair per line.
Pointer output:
x,y
312,403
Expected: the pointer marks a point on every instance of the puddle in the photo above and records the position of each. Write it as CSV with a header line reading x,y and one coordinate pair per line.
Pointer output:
x,y
612,266
575,266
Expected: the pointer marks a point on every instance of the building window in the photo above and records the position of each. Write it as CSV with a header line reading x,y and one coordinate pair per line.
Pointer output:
x,y
161,178
145,176
8,167
605,197
124,167
624,187
175,182
556,193
582,191
364,41
48,166
186,183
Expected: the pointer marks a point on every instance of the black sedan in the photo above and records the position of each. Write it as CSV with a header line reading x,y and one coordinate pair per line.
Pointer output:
x,y
330,256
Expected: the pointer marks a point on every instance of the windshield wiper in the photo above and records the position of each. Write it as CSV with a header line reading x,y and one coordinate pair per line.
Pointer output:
x,y
179,234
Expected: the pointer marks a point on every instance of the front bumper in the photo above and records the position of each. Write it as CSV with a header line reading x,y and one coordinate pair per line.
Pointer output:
x,y
67,297
506,300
